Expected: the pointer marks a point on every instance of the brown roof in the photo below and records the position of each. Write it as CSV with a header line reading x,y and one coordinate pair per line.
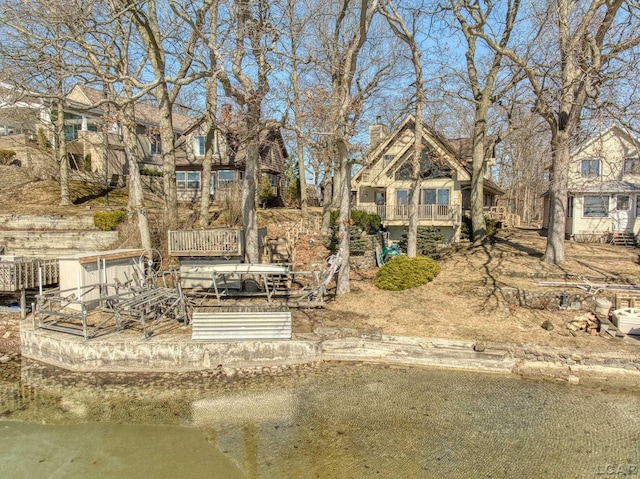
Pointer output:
x,y
144,112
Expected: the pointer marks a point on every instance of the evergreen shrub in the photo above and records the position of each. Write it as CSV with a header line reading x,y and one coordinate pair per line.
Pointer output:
x,y
108,220
402,272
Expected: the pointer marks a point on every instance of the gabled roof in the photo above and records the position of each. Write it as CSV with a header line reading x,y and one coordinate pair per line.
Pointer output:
x,y
431,136
614,129
145,113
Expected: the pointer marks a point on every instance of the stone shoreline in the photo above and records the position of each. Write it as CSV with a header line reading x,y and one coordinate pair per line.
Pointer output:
x,y
177,353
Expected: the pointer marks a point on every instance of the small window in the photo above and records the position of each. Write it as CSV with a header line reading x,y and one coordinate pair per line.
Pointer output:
x,y
443,197
155,145
226,175
273,180
386,159
193,180
428,196
632,166
181,180
590,168
200,145
595,207
402,197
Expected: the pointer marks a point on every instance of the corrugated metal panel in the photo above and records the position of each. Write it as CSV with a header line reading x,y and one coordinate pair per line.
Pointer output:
x,y
238,325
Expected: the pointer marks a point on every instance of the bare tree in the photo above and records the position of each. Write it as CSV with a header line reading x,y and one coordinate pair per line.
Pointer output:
x,y
473,18
151,20
408,35
254,37
568,57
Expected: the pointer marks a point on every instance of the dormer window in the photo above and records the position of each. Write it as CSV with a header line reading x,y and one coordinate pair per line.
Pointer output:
x,y
590,167
632,166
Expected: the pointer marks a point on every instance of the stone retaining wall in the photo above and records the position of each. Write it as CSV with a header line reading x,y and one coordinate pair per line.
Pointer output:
x,y
179,353
46,222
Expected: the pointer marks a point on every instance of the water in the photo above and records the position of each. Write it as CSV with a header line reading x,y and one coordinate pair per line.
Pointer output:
x,y
335,421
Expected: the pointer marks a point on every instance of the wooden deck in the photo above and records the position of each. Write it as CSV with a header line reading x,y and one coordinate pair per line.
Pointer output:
x,y
25,273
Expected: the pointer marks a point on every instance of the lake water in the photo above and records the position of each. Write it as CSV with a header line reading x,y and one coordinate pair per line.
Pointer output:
x,y
334,421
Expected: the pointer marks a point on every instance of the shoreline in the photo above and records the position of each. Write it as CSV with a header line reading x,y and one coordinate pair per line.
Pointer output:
x,y
178,353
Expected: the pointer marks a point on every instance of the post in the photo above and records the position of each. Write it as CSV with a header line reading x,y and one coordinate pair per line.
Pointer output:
x,y
23,303
40,280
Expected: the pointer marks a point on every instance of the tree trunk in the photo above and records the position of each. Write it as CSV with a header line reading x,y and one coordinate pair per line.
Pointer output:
x,y
303,180
343,284
554,252
209,143
168,159
136,194
477,177
63,158
327,195
414,193
249,189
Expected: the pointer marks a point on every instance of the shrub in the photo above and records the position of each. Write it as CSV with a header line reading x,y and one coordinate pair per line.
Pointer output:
x,y
402,272
6,156
266,194
108,220
427,242
466,231
151,172
367,222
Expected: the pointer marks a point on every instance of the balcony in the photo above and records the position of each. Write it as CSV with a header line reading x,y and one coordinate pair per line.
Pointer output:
x,y
401,212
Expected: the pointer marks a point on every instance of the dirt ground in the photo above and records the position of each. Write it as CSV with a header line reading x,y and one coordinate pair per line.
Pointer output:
x,y
465,301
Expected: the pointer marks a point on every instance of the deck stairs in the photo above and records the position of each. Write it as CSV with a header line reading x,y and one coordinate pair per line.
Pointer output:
x,y
623,239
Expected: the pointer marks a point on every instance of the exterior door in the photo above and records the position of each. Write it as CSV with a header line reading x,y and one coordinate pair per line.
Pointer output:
x,y
621,213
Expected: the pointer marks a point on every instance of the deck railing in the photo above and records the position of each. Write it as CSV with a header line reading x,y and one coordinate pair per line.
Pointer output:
x,y
212,242
15,275
401,212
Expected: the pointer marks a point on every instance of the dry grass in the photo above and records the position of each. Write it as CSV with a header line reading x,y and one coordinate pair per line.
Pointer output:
x,y
466,300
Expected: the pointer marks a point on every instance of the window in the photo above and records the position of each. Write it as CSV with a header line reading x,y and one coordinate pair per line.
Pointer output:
x,y
386,159
181,180
199,146
193,180
590,168
188,180
433,196
273,180
632,166
595,207
226,175
155,145
402,197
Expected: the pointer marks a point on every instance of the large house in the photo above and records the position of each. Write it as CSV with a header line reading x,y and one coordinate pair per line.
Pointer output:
x,y
382,185
91,147
603,187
